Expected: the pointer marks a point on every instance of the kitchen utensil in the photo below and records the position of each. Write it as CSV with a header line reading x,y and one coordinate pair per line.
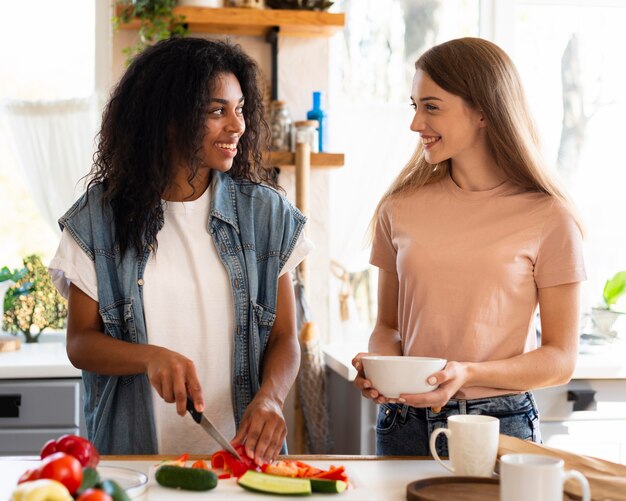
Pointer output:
x,y
457,488
210,428
393,375
536,477
473,444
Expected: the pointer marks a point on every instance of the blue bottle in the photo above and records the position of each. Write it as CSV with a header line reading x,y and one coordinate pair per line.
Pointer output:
x,y
317,113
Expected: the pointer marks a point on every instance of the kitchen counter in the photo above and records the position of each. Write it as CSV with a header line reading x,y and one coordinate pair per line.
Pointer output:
x,y
594,362
371,478
40,360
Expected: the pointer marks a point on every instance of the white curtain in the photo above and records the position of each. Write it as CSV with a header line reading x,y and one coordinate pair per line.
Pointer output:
x,y
54,145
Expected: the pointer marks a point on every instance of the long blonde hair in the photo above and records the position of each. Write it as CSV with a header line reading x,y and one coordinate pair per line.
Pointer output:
x,y
483,75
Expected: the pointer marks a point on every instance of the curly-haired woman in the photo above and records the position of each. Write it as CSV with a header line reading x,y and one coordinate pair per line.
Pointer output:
x,y
176,259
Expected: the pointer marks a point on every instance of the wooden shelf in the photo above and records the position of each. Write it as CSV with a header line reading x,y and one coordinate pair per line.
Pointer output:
x,y
318,160
240,21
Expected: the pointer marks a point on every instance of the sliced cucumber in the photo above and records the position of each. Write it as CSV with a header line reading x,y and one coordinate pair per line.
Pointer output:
x,y
328,486
273,484
190,479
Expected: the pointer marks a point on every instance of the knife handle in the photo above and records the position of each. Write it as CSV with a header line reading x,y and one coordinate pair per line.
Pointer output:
x,y
197,416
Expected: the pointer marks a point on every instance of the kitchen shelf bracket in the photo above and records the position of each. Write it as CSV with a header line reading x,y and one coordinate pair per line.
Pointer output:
x,y
272,39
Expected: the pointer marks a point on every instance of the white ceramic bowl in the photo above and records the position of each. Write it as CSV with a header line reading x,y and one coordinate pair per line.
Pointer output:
x,y
393,375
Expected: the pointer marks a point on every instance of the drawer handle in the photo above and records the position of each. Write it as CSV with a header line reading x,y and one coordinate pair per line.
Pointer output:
x,y
10,406
584,400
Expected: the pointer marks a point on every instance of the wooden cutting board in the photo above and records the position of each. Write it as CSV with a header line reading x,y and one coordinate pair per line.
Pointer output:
x,y
457,488
9,344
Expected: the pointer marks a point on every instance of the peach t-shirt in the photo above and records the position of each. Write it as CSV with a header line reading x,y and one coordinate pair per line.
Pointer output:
x,y
469,265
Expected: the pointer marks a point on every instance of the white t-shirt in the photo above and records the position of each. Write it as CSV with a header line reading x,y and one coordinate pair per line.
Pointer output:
x,y
188,307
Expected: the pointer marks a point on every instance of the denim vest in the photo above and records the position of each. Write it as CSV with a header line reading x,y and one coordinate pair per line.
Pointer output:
x,y
254,229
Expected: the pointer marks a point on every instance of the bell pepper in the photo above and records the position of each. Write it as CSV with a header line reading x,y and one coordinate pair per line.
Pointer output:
x,y
179,461
41,490
226,461
79,447
335,473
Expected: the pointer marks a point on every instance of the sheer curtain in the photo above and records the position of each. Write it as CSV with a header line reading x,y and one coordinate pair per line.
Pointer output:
x,y
54,145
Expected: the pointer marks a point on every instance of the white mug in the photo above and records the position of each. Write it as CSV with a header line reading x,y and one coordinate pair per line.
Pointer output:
x,y
536,477
472,442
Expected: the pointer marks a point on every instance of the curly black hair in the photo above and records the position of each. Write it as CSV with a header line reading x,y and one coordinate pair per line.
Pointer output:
x,y
158,112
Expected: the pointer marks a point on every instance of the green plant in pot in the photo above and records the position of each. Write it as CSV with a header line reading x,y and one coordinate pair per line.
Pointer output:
x,y
33,303
605,317
157,21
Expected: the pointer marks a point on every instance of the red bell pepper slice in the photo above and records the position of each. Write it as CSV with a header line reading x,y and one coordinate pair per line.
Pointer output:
x,y
226,461
335,473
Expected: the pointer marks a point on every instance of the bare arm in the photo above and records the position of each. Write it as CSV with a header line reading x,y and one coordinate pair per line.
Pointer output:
x,y
385,338
263,427
551,364
90,349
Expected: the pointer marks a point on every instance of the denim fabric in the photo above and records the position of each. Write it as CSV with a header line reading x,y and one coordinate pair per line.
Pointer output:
x,y
254,229
404,431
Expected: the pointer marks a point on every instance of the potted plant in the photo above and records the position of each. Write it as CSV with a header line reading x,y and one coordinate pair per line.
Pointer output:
x,y
8,277
604,317
33,303
157,21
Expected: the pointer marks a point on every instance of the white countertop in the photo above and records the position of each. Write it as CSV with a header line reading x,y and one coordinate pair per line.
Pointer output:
x,y
49,360
37,360
370,480
594,362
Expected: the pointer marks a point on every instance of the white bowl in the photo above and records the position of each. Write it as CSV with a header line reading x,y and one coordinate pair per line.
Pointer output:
x,y
393,375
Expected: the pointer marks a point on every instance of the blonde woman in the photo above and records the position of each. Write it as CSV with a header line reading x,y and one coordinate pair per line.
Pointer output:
x,y
471,237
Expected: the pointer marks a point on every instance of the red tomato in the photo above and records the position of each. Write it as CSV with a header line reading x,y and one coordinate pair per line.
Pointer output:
x,y
94,495
50,447
79,447
29,475
63,468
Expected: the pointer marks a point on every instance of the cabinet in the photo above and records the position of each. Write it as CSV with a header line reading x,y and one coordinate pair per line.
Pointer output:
x,y
33,411
586,416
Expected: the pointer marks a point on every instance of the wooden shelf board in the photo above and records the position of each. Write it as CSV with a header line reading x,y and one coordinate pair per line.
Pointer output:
x,y
239,21
318,160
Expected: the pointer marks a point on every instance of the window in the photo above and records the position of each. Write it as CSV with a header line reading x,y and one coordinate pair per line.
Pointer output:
x,y
53,59
574,78
373,62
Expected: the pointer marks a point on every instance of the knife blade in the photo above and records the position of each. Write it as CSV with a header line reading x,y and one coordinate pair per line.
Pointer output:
x,y
210,428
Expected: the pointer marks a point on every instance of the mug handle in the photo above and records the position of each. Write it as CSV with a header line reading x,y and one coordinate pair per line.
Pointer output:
x,y
584,484
433,448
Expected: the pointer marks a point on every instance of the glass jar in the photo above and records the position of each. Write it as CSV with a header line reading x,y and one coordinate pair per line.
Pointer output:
x,y
306,132
280,126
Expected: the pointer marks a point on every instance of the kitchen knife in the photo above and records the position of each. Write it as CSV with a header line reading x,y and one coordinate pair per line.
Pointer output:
x,y
210,428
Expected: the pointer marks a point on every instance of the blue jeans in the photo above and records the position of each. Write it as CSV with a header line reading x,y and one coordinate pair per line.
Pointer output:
x,y
402,430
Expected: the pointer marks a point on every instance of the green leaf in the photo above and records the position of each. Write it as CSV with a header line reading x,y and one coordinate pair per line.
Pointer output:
x,y
614,288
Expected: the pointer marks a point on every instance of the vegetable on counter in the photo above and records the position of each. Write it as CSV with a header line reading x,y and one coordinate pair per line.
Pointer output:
x,y
274,484
191,479
42,489
94,495
298,469
79,447
226,461
282,485
59,466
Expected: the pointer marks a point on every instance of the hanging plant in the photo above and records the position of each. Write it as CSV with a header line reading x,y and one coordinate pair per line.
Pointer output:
x,y
157,21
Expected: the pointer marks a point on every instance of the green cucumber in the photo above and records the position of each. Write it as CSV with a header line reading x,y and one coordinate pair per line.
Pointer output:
x,y
190,479
273,484
90,479
328,486
113,489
